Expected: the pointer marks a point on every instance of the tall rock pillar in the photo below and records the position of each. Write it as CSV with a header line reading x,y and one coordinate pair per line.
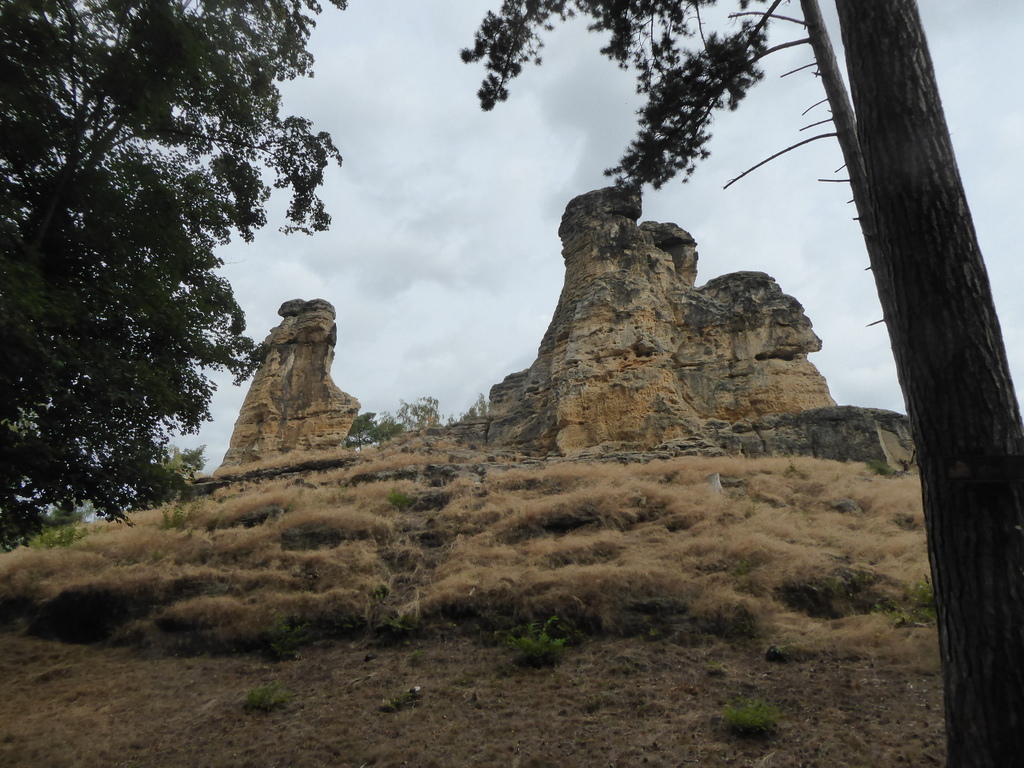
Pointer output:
x,y
292,403
635,354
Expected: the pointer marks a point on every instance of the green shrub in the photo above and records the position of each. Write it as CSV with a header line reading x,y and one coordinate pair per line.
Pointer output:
x,y
266,698
401,700
714,668
399,500
399,626
286,636
751,718
918,607
880,467
542,646
178,516
57,536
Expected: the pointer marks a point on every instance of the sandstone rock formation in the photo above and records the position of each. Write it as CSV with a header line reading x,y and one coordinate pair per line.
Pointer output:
x,y
292,403
841,433
636,355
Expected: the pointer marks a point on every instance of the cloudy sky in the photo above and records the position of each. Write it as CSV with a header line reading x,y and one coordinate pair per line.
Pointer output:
x,y
443,259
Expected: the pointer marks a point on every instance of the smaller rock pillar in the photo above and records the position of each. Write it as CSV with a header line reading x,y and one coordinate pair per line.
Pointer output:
x,y
292,403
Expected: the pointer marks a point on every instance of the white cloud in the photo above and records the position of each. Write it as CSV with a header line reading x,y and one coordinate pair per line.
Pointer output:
x,y
443,260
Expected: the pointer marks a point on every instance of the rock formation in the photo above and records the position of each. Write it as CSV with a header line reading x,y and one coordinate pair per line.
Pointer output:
x,y
636,354
292,403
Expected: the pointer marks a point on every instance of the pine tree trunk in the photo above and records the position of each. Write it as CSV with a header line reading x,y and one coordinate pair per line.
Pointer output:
x,y
952,367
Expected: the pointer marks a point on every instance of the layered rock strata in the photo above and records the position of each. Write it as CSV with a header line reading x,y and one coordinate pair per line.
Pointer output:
x,y
841,433
292,403
636,354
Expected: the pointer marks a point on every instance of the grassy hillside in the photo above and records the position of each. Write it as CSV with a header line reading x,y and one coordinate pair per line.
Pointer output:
x,y
551,612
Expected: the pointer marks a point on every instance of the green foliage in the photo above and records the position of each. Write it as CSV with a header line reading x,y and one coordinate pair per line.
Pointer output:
x,y
285,637
793,471
266,698
399,500
401,700
880,467
683,87
136,137
57,536
917,607
542,645
182,467
368,429
751,718
399,626
479,410
419,414
715,668
177,517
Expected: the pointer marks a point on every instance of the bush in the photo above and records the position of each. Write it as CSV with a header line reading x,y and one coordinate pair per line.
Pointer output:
x,y
401,700
266,698
542,646
399,500
57,536
751,718
367,430
178,517
918,608
399,627
880,467
286,636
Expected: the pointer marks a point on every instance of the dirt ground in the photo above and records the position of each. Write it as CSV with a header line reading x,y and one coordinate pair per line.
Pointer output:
x,y
610,702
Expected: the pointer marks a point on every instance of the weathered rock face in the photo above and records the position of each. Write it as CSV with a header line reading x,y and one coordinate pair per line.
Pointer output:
x,y
841,433
636,354
292,403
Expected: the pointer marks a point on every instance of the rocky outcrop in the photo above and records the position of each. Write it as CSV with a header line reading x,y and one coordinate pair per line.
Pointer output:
x,y
636,355
292,403
841,433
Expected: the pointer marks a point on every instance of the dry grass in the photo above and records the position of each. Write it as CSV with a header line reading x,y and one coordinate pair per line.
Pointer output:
x,y
624,550
679,590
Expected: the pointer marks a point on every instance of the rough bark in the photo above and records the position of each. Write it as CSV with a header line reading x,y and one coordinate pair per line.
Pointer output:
x,y
952,366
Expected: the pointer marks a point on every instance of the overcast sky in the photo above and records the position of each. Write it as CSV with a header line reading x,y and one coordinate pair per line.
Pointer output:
x,y
443,259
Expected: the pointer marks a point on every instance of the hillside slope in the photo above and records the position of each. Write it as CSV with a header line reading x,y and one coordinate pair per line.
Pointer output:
x,y
415,566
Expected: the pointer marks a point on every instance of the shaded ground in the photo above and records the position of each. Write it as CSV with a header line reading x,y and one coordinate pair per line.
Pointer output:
x,y
611,702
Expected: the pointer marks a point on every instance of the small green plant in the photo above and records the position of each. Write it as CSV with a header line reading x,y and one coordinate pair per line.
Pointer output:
x,y
921,594
714,668
416,657
751,718
398,500
266,698
918,609
380,593
399,626
881,467
793,471
401,700
57,536
542,645
177,517
286,636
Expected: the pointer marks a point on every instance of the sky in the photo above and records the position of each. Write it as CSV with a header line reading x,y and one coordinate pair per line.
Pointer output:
x,y
443,260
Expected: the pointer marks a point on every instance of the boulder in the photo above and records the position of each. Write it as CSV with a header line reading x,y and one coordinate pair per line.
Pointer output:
x,y
292,403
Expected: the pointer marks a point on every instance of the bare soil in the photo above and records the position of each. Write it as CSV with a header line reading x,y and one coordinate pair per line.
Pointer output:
x,y
610,702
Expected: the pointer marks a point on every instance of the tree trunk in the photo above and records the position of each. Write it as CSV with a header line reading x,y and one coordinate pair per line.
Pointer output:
x,y
952,367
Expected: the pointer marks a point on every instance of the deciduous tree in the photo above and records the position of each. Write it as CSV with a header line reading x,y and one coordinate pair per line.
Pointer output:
x,y
135,137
